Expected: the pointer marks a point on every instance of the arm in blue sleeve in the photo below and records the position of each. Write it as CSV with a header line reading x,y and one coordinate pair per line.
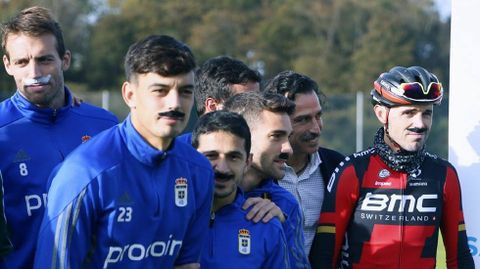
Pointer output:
x,y
278,256
66,233
293,229
196,235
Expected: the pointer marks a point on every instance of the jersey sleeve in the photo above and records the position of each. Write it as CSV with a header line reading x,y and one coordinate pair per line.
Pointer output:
x,y
339,202
293,228
197,234
453,225
66,233
278,254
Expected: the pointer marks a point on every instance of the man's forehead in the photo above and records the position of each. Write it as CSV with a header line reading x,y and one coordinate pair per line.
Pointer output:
x,y
428,107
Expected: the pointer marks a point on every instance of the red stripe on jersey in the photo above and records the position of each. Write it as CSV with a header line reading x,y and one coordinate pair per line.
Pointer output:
x,y
388,241
452,216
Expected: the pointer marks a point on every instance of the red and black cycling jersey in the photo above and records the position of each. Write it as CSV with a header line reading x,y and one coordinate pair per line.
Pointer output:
x,y
375,217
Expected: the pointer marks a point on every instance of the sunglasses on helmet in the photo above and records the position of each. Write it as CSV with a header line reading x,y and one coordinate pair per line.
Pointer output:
x,y
416,92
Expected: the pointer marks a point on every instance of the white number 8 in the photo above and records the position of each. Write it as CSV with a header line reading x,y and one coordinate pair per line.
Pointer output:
x,y
23,169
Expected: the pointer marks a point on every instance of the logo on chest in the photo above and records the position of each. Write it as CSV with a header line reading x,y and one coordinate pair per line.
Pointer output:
x,y
244,241
181,192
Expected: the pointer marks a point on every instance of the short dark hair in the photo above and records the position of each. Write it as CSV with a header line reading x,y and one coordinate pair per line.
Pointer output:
x,y
289,83
34,21
222,121
160,54
251,104
214,77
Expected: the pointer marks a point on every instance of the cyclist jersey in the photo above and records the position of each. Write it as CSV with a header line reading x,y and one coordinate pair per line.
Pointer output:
x,y
238,243
117,202
33,141
391,219
292,226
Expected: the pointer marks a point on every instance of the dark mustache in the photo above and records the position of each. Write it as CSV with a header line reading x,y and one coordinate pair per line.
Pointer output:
x,y
418,130
172,114
221,175
310,136
283,156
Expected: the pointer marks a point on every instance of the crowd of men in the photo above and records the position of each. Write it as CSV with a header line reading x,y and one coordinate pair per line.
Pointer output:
x,y
249,187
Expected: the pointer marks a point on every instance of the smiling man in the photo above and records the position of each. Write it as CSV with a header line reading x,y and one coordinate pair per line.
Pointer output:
x,y
224,138
310,165
267,115
133,197
387,204
39,125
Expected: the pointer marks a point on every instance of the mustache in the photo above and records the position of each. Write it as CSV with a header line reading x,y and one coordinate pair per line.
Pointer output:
x,y
418,130
172,114
284,156
310,136
41,80
225,176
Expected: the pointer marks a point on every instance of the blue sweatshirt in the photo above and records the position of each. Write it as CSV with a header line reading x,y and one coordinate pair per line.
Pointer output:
x,y
292,226
237,243
32,142
117,202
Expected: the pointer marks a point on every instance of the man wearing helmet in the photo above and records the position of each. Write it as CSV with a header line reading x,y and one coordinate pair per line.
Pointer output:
x,y
387,203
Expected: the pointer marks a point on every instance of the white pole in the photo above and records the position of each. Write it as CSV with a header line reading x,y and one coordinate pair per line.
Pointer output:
x,y
359,130
105,99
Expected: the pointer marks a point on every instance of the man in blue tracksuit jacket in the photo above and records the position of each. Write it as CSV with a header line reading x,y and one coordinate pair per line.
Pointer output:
x,y
39,125
224,138
133,197
267,115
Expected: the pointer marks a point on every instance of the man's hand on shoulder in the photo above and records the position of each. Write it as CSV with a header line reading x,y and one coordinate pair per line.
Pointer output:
x,y
262,209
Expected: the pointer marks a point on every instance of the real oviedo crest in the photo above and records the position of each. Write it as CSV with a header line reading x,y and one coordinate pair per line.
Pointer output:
x,y
244,241
181,192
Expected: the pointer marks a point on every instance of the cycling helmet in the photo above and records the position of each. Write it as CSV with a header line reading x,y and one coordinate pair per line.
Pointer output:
x,y
406,86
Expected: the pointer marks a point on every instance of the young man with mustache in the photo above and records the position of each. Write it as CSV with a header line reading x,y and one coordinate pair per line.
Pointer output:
x,y
387,204
310,166
216,80
39,125
267,115
224,138
133,197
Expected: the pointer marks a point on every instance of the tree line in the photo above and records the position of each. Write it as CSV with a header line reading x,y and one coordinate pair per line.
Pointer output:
x,y
343,44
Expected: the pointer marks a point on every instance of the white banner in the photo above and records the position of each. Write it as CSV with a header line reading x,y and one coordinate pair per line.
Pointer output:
x,y
464,112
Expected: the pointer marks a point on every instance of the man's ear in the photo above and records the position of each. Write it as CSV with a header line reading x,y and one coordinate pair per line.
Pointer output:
x,y
66,60
6,63
211,105
248,161
381,112
128,94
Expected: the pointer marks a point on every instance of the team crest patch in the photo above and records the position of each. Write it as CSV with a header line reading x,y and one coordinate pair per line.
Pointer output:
x,y
85,138
244,241
384,173
181,192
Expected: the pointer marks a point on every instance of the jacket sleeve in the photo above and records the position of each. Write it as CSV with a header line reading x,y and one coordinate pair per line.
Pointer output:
x,y
339,202
66,234
278,253
453,225
197,234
